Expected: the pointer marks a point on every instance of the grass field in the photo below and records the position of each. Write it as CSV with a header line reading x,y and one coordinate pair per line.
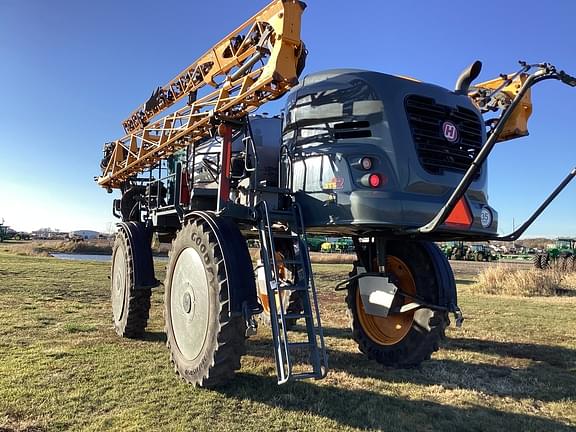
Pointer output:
x,y
512,366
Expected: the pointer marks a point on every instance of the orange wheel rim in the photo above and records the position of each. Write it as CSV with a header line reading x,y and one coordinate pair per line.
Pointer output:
x,y
264,301
266,305
391,329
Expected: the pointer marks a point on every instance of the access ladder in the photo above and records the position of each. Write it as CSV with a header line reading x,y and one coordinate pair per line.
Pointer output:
x,y
288,225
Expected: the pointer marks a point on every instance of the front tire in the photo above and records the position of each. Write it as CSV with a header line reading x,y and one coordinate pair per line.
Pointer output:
x,y
205,341
401,340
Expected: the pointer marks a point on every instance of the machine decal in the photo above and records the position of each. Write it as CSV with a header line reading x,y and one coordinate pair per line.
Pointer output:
x,y
336,183
486,217
450,131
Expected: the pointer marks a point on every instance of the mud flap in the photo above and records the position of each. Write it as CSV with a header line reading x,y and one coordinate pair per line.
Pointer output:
x,y
240,275
447,295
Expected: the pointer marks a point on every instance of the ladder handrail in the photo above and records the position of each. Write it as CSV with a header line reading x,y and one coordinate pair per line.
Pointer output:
x,y
310,313
313,289
283,364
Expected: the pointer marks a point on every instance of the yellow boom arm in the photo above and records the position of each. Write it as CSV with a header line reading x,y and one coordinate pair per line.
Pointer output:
x,y
502,92
257,62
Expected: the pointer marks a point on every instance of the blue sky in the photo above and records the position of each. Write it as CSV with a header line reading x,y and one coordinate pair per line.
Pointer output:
x,y
71,71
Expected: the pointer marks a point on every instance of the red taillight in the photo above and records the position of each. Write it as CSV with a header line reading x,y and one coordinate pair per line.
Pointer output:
x,y
374,180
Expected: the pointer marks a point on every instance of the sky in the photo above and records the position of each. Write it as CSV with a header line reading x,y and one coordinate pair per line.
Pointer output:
x,y
71,71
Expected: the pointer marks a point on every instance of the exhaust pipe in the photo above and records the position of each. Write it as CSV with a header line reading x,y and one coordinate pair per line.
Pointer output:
x,y
467,76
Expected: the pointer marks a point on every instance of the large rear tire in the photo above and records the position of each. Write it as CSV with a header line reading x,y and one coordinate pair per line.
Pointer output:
x,y
571,264
544,261
563,263
537,261
401,340
130,301
205,341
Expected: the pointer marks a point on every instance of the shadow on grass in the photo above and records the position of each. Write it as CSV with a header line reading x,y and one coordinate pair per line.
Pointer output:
x,y
365,409
157,336
564,292
553,355
542,382
550,380
465,282
335,332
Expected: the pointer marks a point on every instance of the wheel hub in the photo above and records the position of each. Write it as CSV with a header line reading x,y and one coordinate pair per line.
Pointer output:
x,y
189,303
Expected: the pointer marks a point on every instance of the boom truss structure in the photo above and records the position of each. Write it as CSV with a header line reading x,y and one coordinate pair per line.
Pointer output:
x,y
258,62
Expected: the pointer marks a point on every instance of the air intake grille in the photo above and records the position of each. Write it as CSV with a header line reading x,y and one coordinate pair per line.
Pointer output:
x,y
436,153
352,129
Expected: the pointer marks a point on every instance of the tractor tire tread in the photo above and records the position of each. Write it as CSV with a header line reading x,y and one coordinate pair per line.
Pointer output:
x,y
406,353
134,322
224,354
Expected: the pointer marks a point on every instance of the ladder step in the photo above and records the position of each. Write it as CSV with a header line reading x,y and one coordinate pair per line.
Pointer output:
x,y
279,212
272,189
300,286
295,316
285,236
306,375
270,233
293,262
281,216
300,344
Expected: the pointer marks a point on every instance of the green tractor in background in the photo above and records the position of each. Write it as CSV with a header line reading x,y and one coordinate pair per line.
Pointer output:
x,y
336,245
455,250
3,231
458,250
343,245
562,256
315,243
481,252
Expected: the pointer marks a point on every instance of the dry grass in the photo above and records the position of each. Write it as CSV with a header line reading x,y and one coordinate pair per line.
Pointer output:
x,y
570,280
507,280
332,258
104,247
46,247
